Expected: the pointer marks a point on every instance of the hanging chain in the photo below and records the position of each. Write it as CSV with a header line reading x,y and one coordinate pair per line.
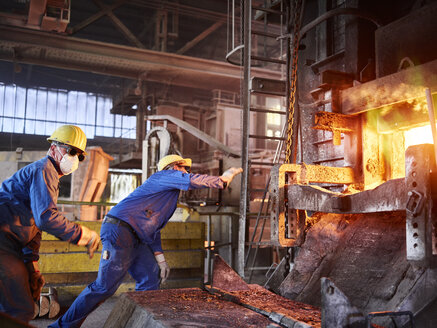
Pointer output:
x,y
293,79
291,102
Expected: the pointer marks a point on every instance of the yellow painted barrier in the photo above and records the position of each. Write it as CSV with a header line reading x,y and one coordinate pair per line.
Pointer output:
x,y
68,268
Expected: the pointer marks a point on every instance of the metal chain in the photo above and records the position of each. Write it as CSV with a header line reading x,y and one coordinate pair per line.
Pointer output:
x,y
291,102
293,79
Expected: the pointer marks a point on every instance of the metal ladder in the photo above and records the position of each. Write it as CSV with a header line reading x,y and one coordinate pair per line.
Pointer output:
x,y
269,52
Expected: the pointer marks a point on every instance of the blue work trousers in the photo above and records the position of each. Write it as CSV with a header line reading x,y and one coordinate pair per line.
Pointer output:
x,y
121,253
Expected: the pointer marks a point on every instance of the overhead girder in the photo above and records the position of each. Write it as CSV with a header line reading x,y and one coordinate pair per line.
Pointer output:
x,y
54,50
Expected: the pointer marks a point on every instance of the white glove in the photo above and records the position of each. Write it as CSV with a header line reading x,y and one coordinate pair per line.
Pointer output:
x,y
90,239
229,174
163,266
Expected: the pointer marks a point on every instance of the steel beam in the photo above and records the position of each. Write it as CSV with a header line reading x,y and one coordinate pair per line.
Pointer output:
x,y
245,128
48,49
119,25
200,37
390,196
402,87
95,17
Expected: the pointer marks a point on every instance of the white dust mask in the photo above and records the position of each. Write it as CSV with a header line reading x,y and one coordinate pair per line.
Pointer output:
x,y
68,163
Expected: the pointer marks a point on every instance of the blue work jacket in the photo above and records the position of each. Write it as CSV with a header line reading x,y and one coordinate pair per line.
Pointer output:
x,y
149,207
28,206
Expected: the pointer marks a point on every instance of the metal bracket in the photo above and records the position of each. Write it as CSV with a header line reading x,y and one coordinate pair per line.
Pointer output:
x,y
420,215
288,175
414,202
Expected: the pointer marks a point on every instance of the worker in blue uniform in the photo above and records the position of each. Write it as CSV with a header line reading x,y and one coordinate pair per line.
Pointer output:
x,y
28,207
131,234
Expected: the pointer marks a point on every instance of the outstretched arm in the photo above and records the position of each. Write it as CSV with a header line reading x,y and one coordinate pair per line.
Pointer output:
x,y
229,174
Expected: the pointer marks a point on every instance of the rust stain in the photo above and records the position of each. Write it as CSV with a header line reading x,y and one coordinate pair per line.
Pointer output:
x,y
263,299
194,307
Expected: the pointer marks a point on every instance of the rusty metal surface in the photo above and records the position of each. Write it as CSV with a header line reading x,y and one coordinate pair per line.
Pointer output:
x,y
287,228
337,124
192,307
224,277
389,196
277,192
315,173
276,205
421,217
401,87
280,309
364,254
334,121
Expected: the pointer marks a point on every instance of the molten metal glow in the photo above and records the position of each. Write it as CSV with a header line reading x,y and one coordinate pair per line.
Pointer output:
x,y
417,136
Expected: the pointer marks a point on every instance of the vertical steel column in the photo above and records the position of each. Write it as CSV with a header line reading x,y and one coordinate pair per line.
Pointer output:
x,y
208,250
421,219
245,134
140,120
230,237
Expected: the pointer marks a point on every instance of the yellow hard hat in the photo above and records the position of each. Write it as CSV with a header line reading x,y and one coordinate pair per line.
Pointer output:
x,y
173,159
71,135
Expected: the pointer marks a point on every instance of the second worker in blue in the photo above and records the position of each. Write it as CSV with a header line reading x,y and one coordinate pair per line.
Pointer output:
x,y
131,234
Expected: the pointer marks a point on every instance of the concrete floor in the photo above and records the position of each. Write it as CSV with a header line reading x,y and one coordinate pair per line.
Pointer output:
x,y
95,320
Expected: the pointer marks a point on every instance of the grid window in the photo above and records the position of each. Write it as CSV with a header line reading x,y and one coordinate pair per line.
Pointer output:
x,y
40,111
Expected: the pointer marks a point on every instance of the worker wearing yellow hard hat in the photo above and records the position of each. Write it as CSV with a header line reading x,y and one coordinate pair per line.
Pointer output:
x,y
131,234
28,206
173,159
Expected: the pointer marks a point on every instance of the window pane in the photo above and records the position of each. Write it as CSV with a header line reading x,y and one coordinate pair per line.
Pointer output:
x,y
61,106
41,111
41,108
51,113
117,125
2,103
30,111
9,107
81,102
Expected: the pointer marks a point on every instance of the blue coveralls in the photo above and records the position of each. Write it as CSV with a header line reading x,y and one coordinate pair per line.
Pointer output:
x,y
27,206
147,210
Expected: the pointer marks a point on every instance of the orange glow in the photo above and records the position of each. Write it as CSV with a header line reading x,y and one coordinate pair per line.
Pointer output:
x,y
417,136
212,242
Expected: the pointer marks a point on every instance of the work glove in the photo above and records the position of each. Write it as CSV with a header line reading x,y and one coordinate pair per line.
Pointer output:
x,y
229,174
36,280
163,266
90,239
